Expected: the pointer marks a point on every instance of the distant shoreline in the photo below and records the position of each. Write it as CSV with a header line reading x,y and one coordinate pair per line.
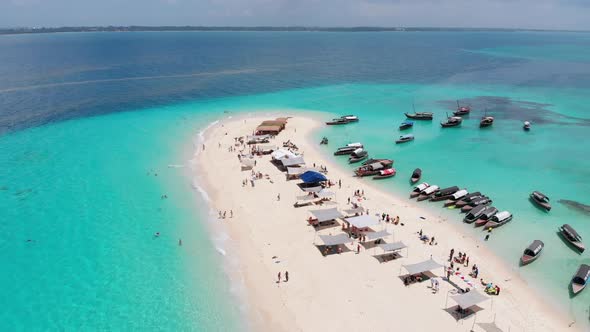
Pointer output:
x,y
34,30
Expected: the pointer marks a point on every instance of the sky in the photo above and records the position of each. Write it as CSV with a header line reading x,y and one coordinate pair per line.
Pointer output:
x,y
538,14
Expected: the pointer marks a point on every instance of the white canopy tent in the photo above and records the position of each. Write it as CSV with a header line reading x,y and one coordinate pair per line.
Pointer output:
x,y
376,235
334,240
358,210
292,161
313,189
282,153
427,265
469,299
325,193
363,221
393,246
326,214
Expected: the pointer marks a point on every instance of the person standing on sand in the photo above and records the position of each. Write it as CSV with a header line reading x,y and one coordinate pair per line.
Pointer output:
x,y
286,276
231,213
278,197
279,278
358,248
451,255
339,184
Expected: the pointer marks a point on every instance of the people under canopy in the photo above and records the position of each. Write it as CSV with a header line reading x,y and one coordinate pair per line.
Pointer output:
x,y
326,214
469,299
282,153
292,161
334,240
370,236
313,177
417,272
362,221
393,246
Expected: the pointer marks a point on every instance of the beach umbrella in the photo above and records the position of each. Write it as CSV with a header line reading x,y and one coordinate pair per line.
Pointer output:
x,y
312,177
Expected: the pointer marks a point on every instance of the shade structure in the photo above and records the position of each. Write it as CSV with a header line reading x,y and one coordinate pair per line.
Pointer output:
x,y
490,327
427,265
247,162
296,170
325,193
359,210
393,246
363,221
282,153
469,299
334,240
293,161
376,235
312,177
313,189
326,214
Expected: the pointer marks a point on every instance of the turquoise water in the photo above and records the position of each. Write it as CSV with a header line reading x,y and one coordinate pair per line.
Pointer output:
x,y
87,120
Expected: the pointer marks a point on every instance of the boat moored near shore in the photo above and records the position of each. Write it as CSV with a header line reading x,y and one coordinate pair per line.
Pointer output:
x,y
499,219
486,215
444,193
358,155
404,139
418,189
406,125
572,237
474,214
540,200
384,174
374,168
416,175
532,252
348,149
420,115
343,120
467,199
580,279
484,200
455,197
428,192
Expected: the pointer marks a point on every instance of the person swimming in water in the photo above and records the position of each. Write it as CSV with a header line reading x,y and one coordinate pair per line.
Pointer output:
x,y
157,234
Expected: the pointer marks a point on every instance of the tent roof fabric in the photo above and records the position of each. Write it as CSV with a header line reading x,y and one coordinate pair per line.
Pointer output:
x,y
393,246
363,221
332,240
282,153
326,193
490,327
376,235
326,214
313,189
427,265
359,209
469,299
290,161
268,128
296,170
313,177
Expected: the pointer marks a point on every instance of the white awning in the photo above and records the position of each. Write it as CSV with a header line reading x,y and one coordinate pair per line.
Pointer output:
x,y
313,189
296,170
363,221
326,214
333,240
469,299
292,161
393,246
325,193
359,209
281,153
376,235
427,265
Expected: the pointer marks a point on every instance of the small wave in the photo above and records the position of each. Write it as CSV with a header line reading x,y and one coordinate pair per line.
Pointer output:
x,y
175,166
201,191
221,251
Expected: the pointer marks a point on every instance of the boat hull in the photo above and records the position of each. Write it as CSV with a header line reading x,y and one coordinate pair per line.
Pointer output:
x,y
418,117
353,160
577,288
423,197
380,177
542,205
527,259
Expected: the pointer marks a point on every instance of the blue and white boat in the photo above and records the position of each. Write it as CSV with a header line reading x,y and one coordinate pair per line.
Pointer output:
x,y
404,139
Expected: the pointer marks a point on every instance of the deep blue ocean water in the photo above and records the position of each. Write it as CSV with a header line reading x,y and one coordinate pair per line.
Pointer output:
x,y
87,120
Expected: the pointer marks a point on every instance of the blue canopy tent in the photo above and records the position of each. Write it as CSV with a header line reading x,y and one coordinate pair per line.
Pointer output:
x,y
312,177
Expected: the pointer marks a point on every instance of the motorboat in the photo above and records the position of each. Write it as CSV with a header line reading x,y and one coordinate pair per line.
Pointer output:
x,y
374,168
486,121
324,140
420,115
462,110
338,121
350,118
455,197
499,219
416,175
445,193
486,215
484,200
372,161
404,139
532,252
406,125
571,236
526,126
452,121
384,174
428,192
474,214
358,155
540,200
418,189
343,120
580,279
348,149
467,198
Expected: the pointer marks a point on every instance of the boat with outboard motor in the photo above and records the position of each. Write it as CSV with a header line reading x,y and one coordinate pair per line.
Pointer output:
x,y
404,139
428,192
406,125
416,175
418,189
499,219
384,174
345,119
444,193
532,252
358,155
572,237
474,214
540,200
580,279
486,215
452,200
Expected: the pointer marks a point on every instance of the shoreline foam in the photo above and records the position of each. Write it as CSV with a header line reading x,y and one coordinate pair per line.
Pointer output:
x,y
274,312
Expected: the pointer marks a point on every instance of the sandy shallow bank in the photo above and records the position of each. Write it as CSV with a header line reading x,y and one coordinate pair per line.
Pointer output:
x,y
350,291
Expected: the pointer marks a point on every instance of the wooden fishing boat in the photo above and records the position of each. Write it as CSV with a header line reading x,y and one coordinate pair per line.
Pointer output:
x,y
484,200
486,121
452,121
418,189
467,199
532,252
486,215
358,155
540,200
580,279
420,115
455,197
474,214
428,192
348,149
499,219
384,174
462,110
404,139
416,175
445,193
406,125
526,126
374,168
572,237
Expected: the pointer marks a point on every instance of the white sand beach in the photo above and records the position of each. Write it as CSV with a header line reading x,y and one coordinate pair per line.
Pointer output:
x,y
347,291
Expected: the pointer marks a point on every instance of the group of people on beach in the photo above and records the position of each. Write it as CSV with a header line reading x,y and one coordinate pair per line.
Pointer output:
x,y
286,277
224,214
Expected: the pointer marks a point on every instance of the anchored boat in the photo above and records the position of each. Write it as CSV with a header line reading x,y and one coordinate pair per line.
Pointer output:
x,y
486,215
404,139
532,252
406,125
455,197
416,175
444,193
418,189
384,174
358,155
428,192
571,236
580,279
499,219
474,214
540,200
